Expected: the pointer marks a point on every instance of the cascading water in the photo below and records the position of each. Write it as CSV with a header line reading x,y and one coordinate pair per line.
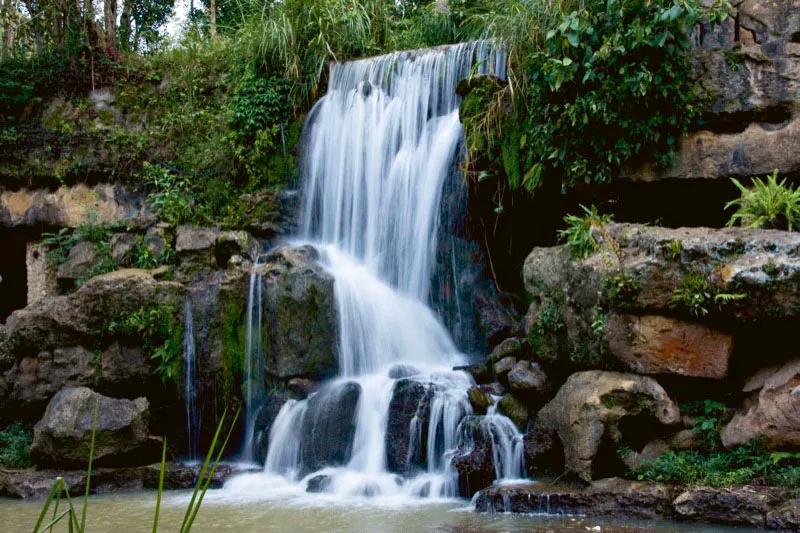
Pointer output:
x,y
254,360
377,151
190,382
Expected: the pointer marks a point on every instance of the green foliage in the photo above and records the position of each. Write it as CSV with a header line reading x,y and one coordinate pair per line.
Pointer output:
x,y
674,250
597,85
15,446
162,337
619,290
544,337
579,236
772,204
696,295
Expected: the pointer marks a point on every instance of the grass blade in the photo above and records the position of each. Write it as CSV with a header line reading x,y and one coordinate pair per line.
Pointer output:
x,y
73,514
203,471
56,489
89,469
160,484
55,521
211,473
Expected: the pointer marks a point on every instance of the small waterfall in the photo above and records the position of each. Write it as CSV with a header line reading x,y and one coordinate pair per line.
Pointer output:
x,y
377,151
190,383
508,454
253,374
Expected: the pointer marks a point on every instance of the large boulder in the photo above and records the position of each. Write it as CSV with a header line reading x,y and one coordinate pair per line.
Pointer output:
x,y
407,427
202,250
736,506
63,436
774,414
79,264
329,426
589,410
302,321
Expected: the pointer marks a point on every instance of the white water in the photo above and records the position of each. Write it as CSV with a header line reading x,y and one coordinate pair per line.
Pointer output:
x,y
378,148
254,360
190,382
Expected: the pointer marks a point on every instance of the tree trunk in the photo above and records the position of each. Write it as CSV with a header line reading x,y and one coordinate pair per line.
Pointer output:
x,y
125,27
110,12
9,15
212,17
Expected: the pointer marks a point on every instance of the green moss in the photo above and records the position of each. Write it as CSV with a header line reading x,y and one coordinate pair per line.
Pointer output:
x,y
619,291
548,334
234,344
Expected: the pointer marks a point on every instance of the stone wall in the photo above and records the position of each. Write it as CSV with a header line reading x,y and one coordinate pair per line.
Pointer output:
x,y
41,273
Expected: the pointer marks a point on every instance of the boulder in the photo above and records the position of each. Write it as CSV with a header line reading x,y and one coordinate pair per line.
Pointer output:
x,y
588,410
735,506
403,371
503,367
265,416
122,244
80,262
473,460
509,347
318,483
514,409
479,372
329,426
124,371
480,400
774,414
302,322
407,427
527,379
63,436
201,250
785,517
495,321
653,344
301,388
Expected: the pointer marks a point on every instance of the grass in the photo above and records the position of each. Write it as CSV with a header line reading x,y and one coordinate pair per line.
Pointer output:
x,y
60,489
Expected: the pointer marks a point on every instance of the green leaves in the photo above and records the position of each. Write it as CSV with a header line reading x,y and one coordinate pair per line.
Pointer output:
x,y
579,236
772,204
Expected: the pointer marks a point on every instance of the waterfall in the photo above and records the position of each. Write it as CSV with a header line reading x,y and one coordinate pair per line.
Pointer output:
x,y
254,361
377,150
507,445
190,382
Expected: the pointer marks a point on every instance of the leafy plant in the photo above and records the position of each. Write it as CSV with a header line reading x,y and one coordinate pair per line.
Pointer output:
x,y
619,290
15,446
674,250
773,204
694,294
579,236
155,324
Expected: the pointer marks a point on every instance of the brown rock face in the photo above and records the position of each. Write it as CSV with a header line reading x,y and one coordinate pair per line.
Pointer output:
x,y
659,345
775,415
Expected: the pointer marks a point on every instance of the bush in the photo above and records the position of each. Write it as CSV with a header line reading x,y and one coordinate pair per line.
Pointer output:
x,y
579,236
772,204
15,446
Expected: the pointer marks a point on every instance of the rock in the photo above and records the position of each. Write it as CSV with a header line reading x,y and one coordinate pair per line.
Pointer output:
x,y
527,378
63,436
329,426
653,344
70,206
651,451
235,243
403,371
480,373
262,213
495,321
774,415
495,389
265,417
156,239
589,408
785,517
200,250
735,506
302,324
612,497
122,244
301,388
480,400
474,462
318,483
509,347
123,371
503,367
407,427
82,259
515,410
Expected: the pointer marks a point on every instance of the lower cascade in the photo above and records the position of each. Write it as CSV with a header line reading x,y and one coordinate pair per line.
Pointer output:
x,y
378,149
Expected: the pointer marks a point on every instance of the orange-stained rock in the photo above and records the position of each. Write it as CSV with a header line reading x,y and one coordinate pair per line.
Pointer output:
x,y
654,344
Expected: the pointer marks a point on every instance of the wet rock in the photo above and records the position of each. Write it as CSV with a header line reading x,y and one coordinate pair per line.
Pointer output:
x,y
659,345
613,497
80,262
403,371
302,320
527,378
265,417
318,483
201,250
510,347
122,244
407,427
735,506
63,435
774,414
474,462
589,408
480,373
514,409
480,400
301,388
262,213
495,321
495,389
329,426
123,371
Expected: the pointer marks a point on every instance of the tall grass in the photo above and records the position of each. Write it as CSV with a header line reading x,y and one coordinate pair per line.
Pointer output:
x,y
60,489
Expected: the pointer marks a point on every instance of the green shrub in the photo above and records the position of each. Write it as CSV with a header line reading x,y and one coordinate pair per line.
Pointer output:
x,y
696,295
15,446
579,235
772,204
161,336
619,290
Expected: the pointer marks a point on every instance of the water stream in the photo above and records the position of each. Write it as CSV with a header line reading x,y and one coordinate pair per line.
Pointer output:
x,y
190,383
